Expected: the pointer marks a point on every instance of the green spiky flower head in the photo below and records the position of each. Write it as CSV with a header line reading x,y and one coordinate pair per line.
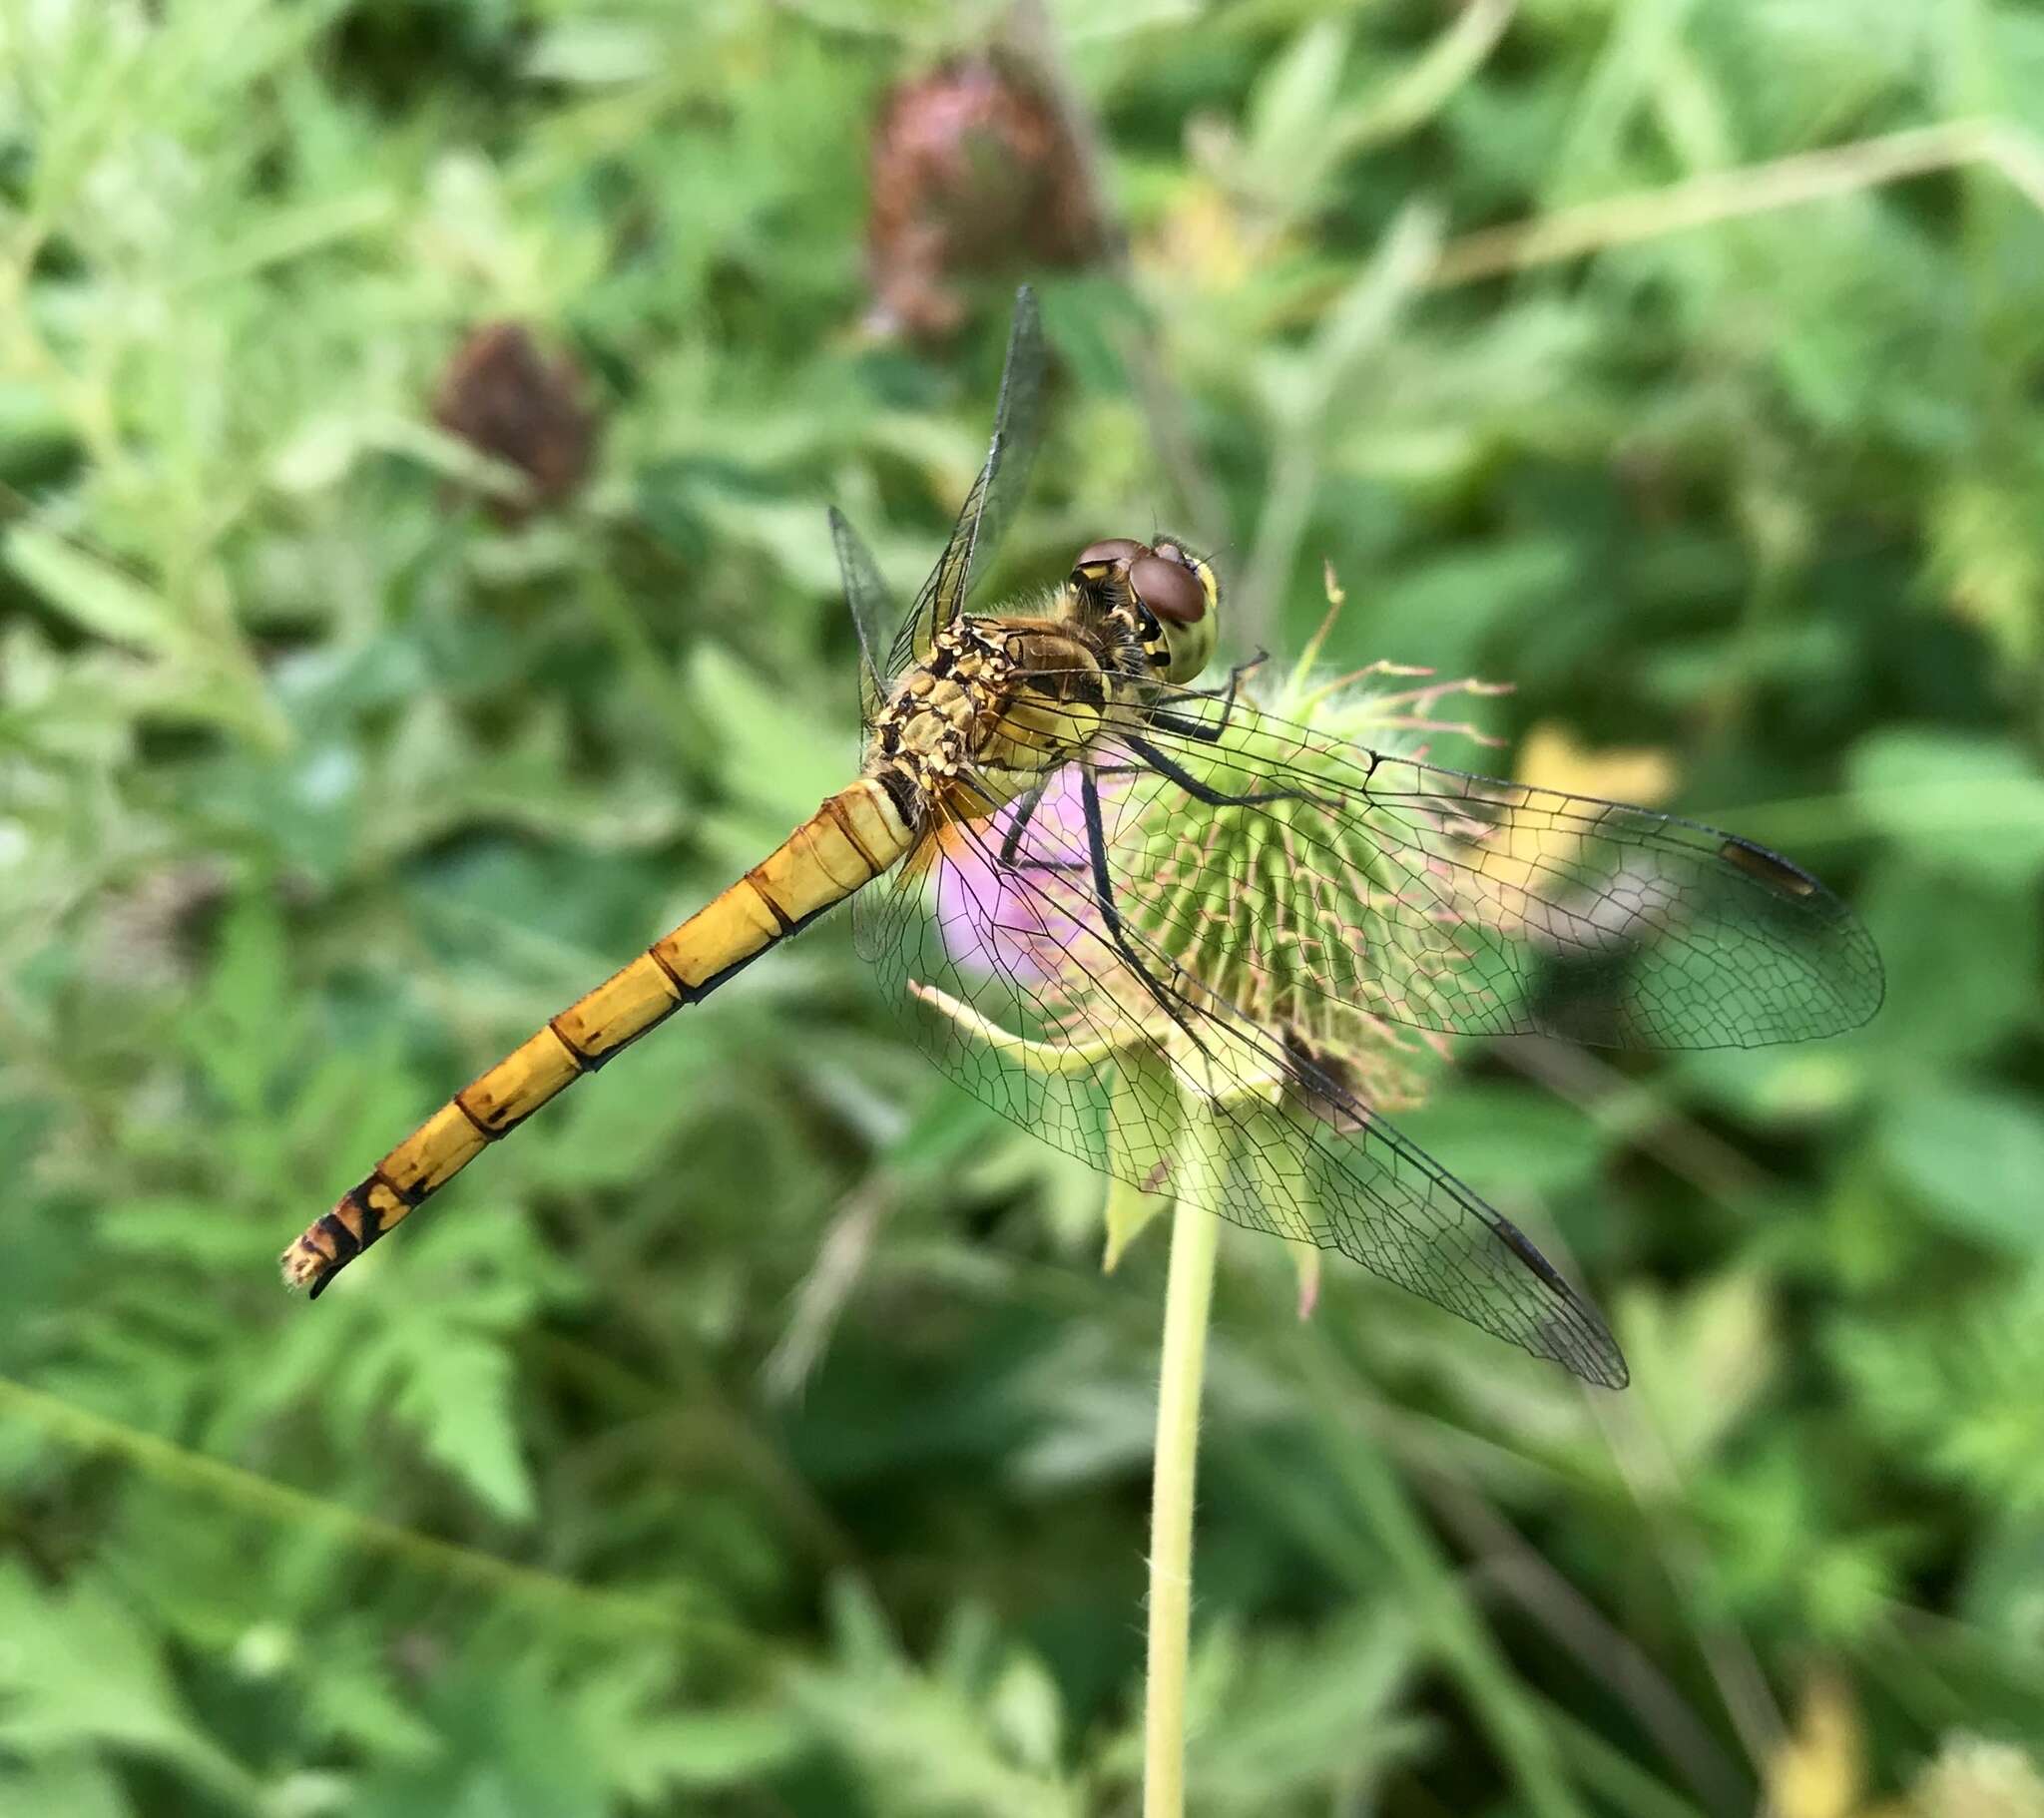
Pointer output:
x,y
1256,917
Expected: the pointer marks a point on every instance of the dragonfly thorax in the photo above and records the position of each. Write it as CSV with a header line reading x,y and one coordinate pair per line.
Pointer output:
x,y
932,720
998,702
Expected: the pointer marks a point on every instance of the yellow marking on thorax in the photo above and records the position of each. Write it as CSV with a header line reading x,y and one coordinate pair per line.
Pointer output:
x,y
1000,702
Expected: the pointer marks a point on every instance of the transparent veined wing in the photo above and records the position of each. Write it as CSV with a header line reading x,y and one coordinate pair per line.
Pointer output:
x,y
993,939
1467,904
873,613
991,505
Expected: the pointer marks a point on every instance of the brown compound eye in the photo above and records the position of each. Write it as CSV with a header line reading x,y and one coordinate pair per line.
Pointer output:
x,y
1169,589
1113,552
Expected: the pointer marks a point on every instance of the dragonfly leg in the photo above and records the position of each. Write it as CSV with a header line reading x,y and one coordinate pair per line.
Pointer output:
x,y
1198,791
1208,731
1166,998
1026,805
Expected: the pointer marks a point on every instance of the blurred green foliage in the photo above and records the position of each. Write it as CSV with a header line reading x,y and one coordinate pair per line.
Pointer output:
x,y
754,1435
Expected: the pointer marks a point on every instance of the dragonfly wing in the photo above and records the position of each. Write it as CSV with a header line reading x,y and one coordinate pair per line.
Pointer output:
x,y
995,945
1018,430
873,611
1378,886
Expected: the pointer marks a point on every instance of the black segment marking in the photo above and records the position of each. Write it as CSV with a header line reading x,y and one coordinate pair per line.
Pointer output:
x,y
481,1128
673,978
583,1063
773,909
347,1246
872,865
407,1198
695,994
903,793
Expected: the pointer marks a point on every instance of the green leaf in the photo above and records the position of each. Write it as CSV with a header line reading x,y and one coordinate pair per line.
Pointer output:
x,y
1359,323
732,1748
1286,125
1959,802
77,1668
1702,1361
1975,1159
74,1785
459,1398
96,595
1950,946
1505,1137
785,759
1026,1715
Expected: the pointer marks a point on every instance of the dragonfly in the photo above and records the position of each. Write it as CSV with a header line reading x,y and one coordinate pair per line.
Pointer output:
x,y
1131,912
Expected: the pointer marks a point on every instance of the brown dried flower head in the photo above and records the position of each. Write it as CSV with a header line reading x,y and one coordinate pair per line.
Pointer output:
x,y
973,174
506,399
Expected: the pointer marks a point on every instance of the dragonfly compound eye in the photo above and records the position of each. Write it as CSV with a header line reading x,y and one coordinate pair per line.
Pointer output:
x,y
1169,589
1113,552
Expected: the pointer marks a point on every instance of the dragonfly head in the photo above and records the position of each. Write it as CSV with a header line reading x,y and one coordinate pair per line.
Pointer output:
x,y
1167,595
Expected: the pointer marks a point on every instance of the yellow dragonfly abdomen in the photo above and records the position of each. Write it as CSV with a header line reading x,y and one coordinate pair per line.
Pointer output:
x,y
853,837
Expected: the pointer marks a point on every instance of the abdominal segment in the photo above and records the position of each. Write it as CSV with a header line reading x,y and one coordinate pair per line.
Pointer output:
x,y
849,841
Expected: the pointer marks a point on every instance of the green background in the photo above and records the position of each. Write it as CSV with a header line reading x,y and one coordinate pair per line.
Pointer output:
x,y
757,1434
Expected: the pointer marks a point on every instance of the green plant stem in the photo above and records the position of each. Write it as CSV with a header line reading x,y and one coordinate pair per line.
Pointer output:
x,y
1188,1296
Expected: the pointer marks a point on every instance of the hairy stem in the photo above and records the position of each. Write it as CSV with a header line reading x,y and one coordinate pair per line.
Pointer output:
x,y
1188,1294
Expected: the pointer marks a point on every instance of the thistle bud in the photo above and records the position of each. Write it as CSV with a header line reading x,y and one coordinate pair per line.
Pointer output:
x,y
972,174
505,399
